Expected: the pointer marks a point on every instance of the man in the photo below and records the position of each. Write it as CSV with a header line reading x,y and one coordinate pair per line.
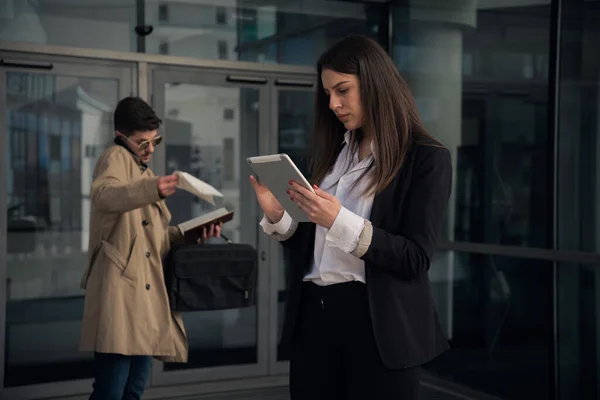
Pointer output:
x,y
126,318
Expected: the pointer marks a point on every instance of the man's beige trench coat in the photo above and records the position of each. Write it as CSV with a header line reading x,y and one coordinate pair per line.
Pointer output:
x,y
126,306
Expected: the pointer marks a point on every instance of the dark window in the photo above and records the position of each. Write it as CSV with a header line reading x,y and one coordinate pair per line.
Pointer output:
x,y
228,156
222,50
54,145
163,12
163,47
228,114
221,16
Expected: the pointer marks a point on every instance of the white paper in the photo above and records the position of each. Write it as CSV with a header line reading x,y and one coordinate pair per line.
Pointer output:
x,y
197,187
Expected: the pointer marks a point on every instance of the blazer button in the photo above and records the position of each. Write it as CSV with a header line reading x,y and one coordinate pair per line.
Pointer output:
x,y
147,254
145,222
147,286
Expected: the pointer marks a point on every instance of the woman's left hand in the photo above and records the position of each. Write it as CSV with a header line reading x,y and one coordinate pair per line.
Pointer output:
x,y
321,207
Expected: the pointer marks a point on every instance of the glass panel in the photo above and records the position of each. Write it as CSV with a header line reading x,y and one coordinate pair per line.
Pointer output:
x,y
295,119
76,23
297,34
579,128
210,131
479,73
198,28
261,31
578,200
578,332
57,126
498,314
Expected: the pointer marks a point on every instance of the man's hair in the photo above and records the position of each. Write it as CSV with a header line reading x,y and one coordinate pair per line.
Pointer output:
x,y
133,114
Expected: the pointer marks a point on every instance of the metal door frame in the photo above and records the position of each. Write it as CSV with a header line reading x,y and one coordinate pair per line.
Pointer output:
x,y
270,85
303,83
158,75
43,64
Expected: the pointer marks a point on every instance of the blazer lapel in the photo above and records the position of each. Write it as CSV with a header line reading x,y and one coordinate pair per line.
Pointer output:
x,y
375,210
380,202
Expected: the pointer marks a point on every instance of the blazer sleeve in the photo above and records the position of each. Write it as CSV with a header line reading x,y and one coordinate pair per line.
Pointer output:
x,y
409,253
111,190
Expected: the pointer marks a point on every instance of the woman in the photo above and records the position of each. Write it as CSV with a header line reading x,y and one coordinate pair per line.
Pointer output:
x,y
360,318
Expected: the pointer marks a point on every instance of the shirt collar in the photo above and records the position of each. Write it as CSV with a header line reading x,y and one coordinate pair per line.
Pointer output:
x,y
347,137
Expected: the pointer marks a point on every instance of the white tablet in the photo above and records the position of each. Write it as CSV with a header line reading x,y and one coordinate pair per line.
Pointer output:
x,y
276,171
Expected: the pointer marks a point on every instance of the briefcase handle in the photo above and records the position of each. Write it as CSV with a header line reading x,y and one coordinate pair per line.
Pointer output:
x,y
225,238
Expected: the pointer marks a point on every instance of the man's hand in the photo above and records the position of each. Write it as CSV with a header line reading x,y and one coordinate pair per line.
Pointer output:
x,y
167,185
213,231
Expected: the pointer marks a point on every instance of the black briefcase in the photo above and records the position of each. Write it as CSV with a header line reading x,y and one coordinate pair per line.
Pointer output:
x,y
202,277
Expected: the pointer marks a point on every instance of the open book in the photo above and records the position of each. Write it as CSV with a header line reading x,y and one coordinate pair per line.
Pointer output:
x,y
192,229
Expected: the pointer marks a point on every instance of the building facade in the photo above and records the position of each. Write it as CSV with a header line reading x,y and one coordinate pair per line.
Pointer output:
x,y
511,87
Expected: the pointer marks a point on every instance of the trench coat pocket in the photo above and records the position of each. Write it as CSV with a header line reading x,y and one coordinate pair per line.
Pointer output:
x,y
122,263
90,266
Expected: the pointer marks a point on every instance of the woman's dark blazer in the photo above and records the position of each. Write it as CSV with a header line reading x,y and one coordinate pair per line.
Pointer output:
x,y
407,217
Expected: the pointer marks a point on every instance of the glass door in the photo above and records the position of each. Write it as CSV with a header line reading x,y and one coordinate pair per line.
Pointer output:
x,y
213,121
57,120
293,119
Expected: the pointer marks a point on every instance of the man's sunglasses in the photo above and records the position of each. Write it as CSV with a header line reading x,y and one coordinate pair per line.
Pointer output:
x,y
144,144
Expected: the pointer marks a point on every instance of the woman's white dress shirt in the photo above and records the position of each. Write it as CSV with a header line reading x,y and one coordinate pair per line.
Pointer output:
x,y
335,259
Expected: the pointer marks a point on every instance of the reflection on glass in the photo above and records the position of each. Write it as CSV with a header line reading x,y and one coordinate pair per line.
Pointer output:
x,y
259,31
292,34
200,29
578,333
209,132
479,74
92,25
295,121
497,312
579,129
57,126
579,200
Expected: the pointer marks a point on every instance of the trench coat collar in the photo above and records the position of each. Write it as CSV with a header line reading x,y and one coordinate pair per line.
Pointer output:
x,y
121,142
143,167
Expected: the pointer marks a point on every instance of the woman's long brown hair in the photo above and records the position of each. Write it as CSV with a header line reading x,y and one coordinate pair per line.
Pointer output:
x,y
390,114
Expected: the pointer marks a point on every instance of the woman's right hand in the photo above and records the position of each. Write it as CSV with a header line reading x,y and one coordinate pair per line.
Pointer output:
x,y
269,204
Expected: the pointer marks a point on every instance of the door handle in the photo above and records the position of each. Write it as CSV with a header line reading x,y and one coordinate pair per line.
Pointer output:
x,y
294,82
246,79
26,64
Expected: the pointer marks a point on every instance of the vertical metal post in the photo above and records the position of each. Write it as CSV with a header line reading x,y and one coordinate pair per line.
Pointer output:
x,y
3,221
385,26
553,127
142,81
141,21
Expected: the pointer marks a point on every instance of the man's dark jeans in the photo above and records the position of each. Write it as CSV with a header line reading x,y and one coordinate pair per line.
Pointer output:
x,y
119,377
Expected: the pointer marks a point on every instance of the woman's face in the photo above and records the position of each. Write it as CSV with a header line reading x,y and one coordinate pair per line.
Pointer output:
x,y
344,97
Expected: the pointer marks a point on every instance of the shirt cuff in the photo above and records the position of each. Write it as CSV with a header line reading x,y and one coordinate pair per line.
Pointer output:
x,y
282,227
345,231
364,242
